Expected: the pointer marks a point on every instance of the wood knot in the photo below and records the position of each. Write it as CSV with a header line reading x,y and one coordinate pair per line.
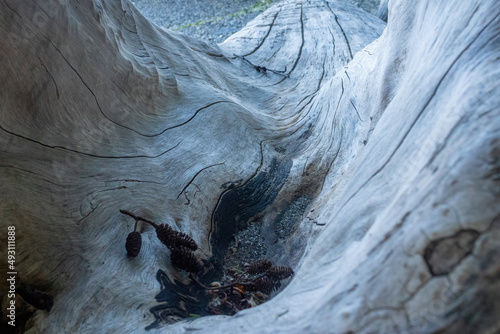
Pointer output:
x,y
443,255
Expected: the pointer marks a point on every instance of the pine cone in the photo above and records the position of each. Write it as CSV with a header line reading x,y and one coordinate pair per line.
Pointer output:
x,y
183,258
259,267
279,273
166,235
184,240
264,284
133,244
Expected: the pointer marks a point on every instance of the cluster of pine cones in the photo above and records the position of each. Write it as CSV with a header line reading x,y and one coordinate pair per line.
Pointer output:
x,y
252,288
260,276
181,245
270,277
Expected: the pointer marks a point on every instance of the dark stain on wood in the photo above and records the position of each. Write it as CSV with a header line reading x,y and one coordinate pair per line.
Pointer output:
x,y
177,300
443,255
238,205
36,298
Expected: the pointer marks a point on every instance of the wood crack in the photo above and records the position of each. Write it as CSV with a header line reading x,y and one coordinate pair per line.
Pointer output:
x,y
84,153
352,103
90,90
266,36
340,100
33,173
330,165
341,29
301,45
419,114
333,46
189,120
335,157
88,214
135,181
51,76
194,177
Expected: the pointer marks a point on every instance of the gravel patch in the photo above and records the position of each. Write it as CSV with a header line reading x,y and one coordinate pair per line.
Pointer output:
x,y
247,247
211,20
288,220
214,20
369,6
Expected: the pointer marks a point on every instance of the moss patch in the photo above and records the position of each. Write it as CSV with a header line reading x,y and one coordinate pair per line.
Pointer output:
x,y
260,6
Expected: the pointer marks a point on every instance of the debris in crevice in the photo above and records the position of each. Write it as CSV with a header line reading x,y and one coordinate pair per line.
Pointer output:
x,y
242,286
246,289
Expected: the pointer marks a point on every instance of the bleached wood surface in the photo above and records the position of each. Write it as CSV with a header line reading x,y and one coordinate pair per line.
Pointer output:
x,y
393,144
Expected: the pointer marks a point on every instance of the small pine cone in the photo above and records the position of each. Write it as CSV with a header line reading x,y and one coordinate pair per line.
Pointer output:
x,y
133,244
264,284
259,267
166,235
279,273
183,258
184,240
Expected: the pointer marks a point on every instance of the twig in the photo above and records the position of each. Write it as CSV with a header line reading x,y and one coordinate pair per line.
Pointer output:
x,y
201,285
137,218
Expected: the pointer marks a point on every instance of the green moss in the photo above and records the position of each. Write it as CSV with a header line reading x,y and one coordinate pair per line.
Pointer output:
x,y
260,6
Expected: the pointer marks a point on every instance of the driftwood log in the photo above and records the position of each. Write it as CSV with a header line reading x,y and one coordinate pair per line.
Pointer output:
x,y
368,155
